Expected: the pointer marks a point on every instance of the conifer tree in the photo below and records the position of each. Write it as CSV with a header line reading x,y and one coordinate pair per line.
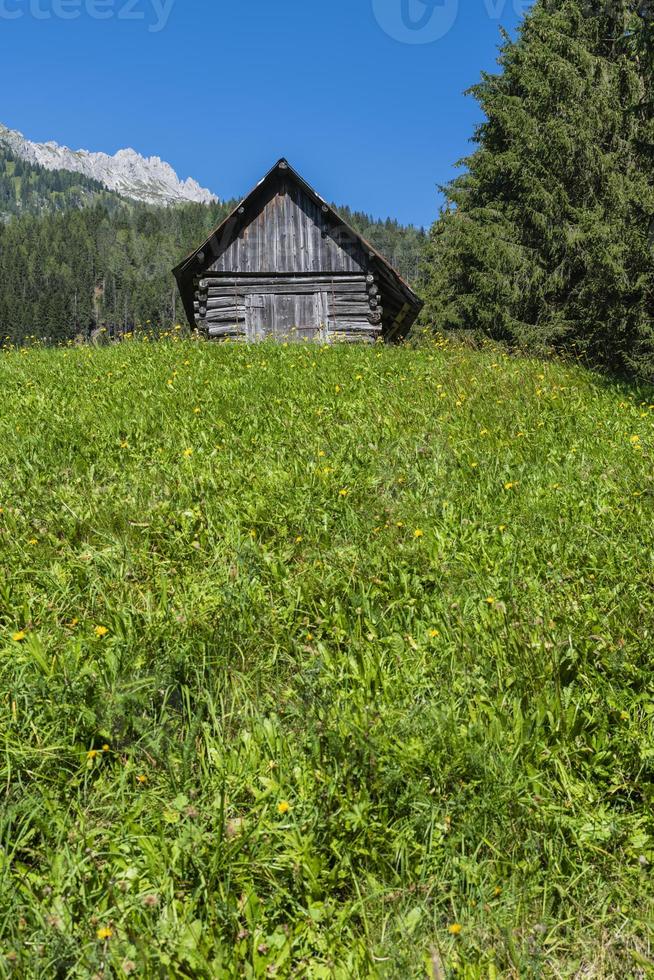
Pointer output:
x,y
547,237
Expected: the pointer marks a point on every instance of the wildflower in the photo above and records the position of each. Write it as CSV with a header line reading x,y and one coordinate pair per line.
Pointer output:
x,y
418,533
509,486
491,601
497,891
93,754
283,807
100,631
19,636
141,779
234,827
502,527
434,633
74,622
150,901
338,389
33,541
105,748
197,411
343,493
104,933
299,539
188,453
454,929
124,445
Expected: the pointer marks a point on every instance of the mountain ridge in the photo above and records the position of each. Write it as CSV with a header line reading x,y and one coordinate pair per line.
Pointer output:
x,y
150,180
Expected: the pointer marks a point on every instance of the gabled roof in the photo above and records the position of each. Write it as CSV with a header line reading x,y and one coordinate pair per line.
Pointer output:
x,y
405,299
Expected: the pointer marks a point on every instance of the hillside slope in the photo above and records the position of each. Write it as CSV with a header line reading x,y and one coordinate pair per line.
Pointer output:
x,y
324,663
29,189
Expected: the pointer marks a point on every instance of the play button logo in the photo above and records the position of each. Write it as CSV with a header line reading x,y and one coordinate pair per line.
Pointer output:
x,y
416,21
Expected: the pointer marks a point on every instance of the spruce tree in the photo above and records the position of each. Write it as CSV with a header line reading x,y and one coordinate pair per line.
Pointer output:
x,y
546,240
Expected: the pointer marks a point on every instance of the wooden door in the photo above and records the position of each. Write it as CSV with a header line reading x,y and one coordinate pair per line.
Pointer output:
x,y
287,317
255,318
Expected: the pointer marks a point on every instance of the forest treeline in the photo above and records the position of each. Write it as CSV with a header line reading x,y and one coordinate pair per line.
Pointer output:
x,y
74,256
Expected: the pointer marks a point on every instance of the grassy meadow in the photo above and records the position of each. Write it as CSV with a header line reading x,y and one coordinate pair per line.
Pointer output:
x,y
324,663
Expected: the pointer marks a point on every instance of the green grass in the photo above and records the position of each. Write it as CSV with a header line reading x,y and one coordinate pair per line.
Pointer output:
x,y
408,593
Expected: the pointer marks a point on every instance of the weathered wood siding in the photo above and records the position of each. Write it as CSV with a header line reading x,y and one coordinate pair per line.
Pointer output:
x,y
291,234
324,307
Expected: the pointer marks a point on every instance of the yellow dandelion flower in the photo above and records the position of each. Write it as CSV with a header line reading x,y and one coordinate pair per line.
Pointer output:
x,y
141,779
343,493
299,539
188,453
100,631
434,633
33,541
491,601
104,933
509,486
283,807
124,445
454,929
19,636
197,411
93,754
418,533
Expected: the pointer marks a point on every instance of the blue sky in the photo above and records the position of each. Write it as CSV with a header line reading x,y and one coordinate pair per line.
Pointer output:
x,y
365,97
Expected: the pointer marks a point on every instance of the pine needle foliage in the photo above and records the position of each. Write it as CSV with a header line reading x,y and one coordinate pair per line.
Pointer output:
x,y
547,237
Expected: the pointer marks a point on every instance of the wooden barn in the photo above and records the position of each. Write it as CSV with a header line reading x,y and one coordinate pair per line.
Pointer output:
x,y
285,265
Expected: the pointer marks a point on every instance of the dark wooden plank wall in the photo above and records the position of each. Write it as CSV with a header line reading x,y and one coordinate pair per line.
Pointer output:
x,y
291,234
328,308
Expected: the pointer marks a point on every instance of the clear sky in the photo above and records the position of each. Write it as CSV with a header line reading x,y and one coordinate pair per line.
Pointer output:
x,y
364,97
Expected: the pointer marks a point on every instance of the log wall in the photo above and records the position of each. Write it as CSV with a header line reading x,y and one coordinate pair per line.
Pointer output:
x,y
328,308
